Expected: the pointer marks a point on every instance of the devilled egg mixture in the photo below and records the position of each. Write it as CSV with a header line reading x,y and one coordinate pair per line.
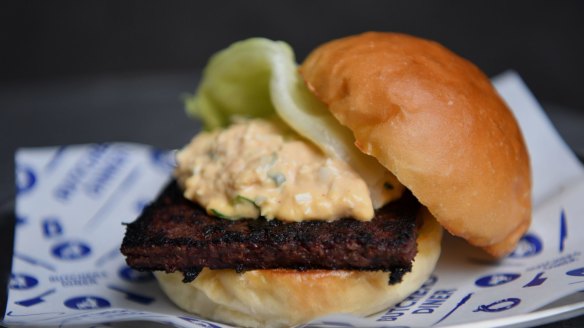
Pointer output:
x,y
261,167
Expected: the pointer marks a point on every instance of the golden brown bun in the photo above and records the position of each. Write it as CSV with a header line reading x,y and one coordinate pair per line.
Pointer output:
x,y
436,122
281,298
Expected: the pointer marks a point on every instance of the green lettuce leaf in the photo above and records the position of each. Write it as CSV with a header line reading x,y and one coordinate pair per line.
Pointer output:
x,y
257,78
236,82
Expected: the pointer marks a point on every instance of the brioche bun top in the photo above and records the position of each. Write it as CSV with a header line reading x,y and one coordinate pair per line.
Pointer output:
x,y
435,121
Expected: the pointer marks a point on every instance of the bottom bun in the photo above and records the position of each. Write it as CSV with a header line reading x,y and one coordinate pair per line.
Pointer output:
x,y
283,298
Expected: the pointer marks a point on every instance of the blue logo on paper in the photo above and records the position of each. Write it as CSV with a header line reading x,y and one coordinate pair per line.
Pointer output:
x,y
458,305
52,227
498,306
496,279
21,281
35,299
576,272
163,159
132,275
71,250
538,280
25,179
20,220
563,230
529,245
199,322
87,303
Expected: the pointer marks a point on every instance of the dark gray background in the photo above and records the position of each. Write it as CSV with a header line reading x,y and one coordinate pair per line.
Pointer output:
x,y
97,71
54,39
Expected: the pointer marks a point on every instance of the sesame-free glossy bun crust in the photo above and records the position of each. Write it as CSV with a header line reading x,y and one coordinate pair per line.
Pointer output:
x,y
436,122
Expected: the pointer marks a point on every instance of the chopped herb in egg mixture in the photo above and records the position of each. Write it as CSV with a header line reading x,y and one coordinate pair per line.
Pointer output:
x,y
261,168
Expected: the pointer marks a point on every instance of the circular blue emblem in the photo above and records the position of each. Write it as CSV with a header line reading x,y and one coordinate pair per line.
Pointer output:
x,y
496,279
71,250
87,303
52,227
132,275
529,245
498,306
21,281
25,179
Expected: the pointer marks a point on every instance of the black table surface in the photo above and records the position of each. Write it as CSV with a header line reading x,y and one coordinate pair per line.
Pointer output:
x,y
145,108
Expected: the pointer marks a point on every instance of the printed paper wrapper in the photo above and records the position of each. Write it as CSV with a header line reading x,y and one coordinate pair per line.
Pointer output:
x,y
73,200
